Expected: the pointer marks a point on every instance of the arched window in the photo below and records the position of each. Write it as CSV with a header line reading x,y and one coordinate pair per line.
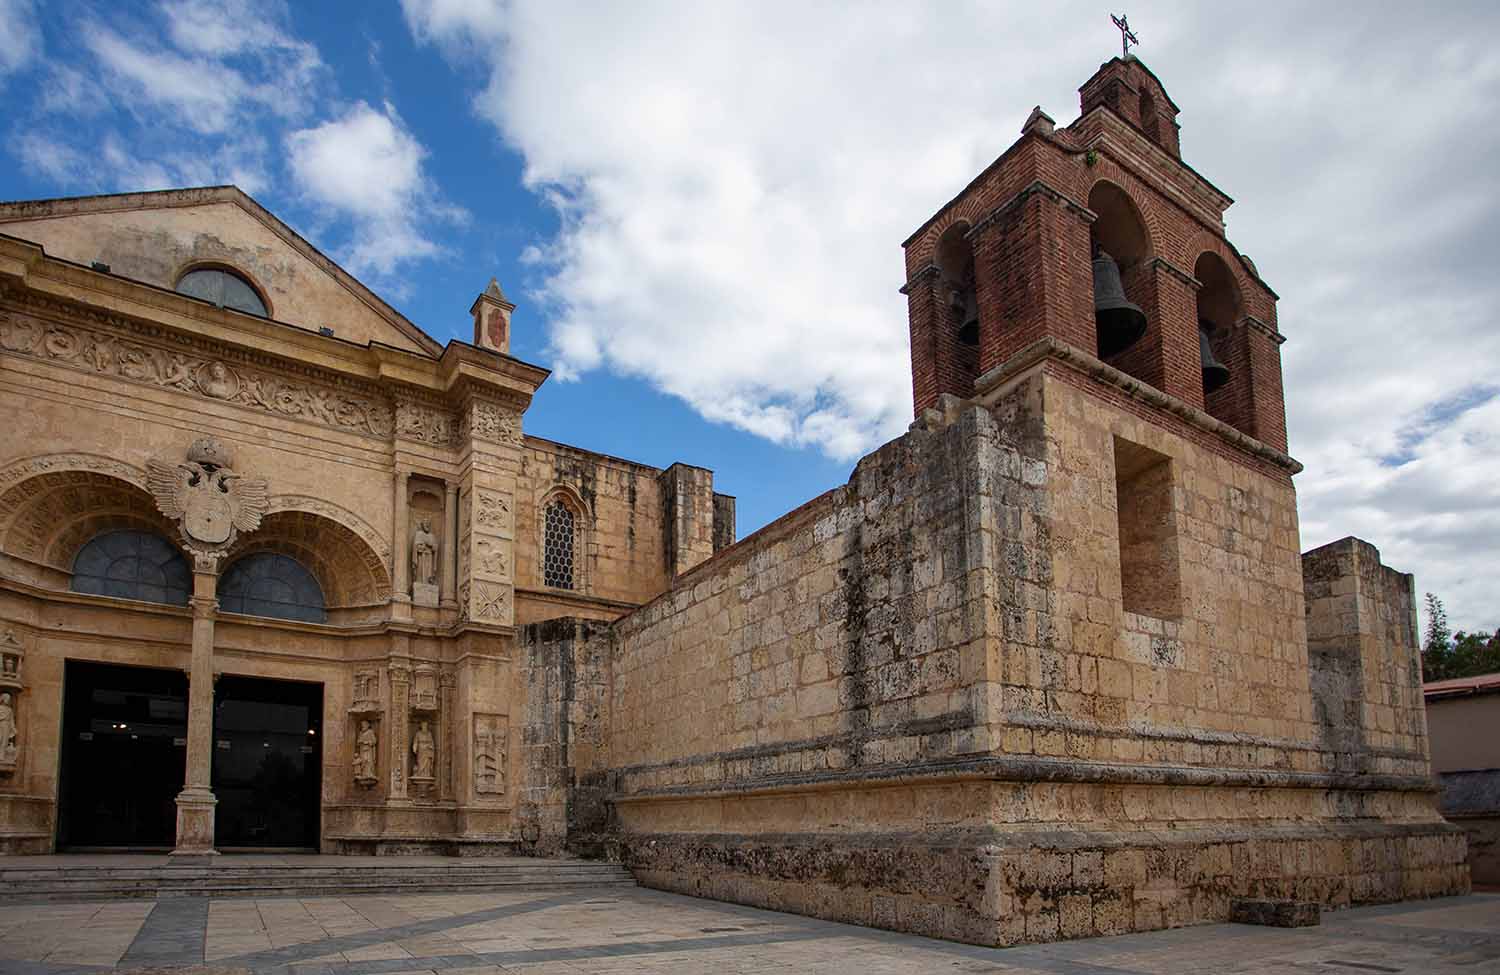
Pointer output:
x,y
133,565
271,584
557,545
224,288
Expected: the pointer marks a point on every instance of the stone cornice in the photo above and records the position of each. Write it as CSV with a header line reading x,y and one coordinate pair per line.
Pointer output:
x,y
924,273
1176,272
1250,321
1014,768
1056,350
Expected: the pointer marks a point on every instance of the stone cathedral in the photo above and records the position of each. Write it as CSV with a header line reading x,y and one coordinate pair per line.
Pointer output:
x,y
279,571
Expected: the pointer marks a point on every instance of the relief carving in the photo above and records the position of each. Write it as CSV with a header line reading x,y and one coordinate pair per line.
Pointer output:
x,y
425,424
495,424
492,559
11,653
424,689
492,512
366,692
101,352
492,602
210,502
490,743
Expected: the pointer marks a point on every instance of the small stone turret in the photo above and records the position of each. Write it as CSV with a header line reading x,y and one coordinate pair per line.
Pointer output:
x,y
491,311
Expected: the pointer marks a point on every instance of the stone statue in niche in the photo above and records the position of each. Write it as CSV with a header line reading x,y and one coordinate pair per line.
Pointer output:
x,y
8,747
424,752
424,564
489,757
424,553
366,747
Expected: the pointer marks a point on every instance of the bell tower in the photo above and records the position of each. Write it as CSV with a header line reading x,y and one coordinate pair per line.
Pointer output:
x,y
1097,244
491,311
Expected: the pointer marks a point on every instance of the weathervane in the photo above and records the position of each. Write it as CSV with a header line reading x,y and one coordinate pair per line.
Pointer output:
x,y
1127,36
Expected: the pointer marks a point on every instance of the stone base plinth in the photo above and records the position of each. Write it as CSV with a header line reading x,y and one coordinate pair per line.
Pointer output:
x,y
995,887
195,825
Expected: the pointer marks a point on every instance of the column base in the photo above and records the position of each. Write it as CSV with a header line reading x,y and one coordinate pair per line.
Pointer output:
x,y
195,826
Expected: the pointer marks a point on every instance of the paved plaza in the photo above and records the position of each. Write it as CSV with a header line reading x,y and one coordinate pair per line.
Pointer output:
x,y
624,929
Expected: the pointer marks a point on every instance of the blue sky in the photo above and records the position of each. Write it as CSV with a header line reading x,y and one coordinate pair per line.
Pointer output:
x,y
698,207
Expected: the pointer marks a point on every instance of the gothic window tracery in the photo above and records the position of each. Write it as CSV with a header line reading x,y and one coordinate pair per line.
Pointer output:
x,y
132,565
558,545
271,584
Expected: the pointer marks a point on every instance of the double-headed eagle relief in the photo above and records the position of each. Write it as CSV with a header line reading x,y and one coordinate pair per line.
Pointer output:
x,y
208,500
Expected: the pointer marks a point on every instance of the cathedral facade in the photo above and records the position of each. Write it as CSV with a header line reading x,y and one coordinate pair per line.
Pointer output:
x,y
267,544
280,571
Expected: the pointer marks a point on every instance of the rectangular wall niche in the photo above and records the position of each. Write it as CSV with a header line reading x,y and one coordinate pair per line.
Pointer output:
x,y
1150,569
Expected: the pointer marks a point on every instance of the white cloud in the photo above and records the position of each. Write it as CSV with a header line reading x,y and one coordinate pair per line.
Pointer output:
x,y
734,179
20,38
367,166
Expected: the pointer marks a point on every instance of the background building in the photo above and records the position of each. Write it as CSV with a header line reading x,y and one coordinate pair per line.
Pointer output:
x,y
1463,721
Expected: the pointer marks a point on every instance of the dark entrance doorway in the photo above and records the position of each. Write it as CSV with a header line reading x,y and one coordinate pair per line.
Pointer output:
x,y
125,747
123,752
268,744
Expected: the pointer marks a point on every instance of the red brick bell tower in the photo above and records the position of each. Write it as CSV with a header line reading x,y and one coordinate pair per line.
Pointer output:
x,y
1005,271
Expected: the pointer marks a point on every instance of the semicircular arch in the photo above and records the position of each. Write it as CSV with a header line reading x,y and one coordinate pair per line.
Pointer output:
x,y
349,570
50,507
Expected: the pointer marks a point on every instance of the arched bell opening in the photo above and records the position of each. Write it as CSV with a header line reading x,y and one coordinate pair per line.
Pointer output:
x,y
1120,246
1223,363
959,302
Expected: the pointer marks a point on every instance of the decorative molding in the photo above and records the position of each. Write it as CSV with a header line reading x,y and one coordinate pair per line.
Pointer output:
x,y
207,375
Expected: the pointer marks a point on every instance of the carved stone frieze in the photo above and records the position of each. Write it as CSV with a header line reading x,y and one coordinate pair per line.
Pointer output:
x,y
415,421
379,545
491,742
494,423
100,352
366,697
424,695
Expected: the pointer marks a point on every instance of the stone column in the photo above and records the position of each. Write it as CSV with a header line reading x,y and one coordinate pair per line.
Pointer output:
x,y
450,547
195,804
448,752
401,550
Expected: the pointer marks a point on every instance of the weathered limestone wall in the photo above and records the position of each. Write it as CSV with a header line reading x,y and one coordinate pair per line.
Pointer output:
x,y
1367,667
920,701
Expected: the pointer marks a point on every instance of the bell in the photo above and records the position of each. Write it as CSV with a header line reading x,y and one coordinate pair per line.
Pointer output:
x,y
1119,322
1215,373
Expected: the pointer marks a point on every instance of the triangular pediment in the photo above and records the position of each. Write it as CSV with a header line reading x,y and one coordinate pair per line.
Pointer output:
x,y
156,237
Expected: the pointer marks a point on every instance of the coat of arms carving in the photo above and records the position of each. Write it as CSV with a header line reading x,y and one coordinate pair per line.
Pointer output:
x,y
210,502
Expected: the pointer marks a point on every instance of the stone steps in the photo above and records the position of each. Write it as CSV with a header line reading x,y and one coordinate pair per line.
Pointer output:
x,y
288,880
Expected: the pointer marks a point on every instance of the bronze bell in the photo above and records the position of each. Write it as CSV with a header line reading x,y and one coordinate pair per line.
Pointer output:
x,y
1215,373
1119,322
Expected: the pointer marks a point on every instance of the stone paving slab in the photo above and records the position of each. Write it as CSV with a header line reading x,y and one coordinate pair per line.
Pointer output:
x,y
612,931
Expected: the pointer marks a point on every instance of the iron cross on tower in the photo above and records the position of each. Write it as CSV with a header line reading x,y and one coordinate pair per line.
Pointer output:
x,y
1127,36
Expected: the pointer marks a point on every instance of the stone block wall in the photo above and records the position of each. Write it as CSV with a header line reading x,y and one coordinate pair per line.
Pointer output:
x,y
1367,668
921,702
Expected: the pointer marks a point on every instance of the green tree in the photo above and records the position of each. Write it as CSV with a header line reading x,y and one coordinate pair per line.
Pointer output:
x,y
1446,655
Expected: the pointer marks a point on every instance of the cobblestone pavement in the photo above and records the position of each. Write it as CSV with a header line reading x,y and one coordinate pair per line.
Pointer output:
x,y
635,930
